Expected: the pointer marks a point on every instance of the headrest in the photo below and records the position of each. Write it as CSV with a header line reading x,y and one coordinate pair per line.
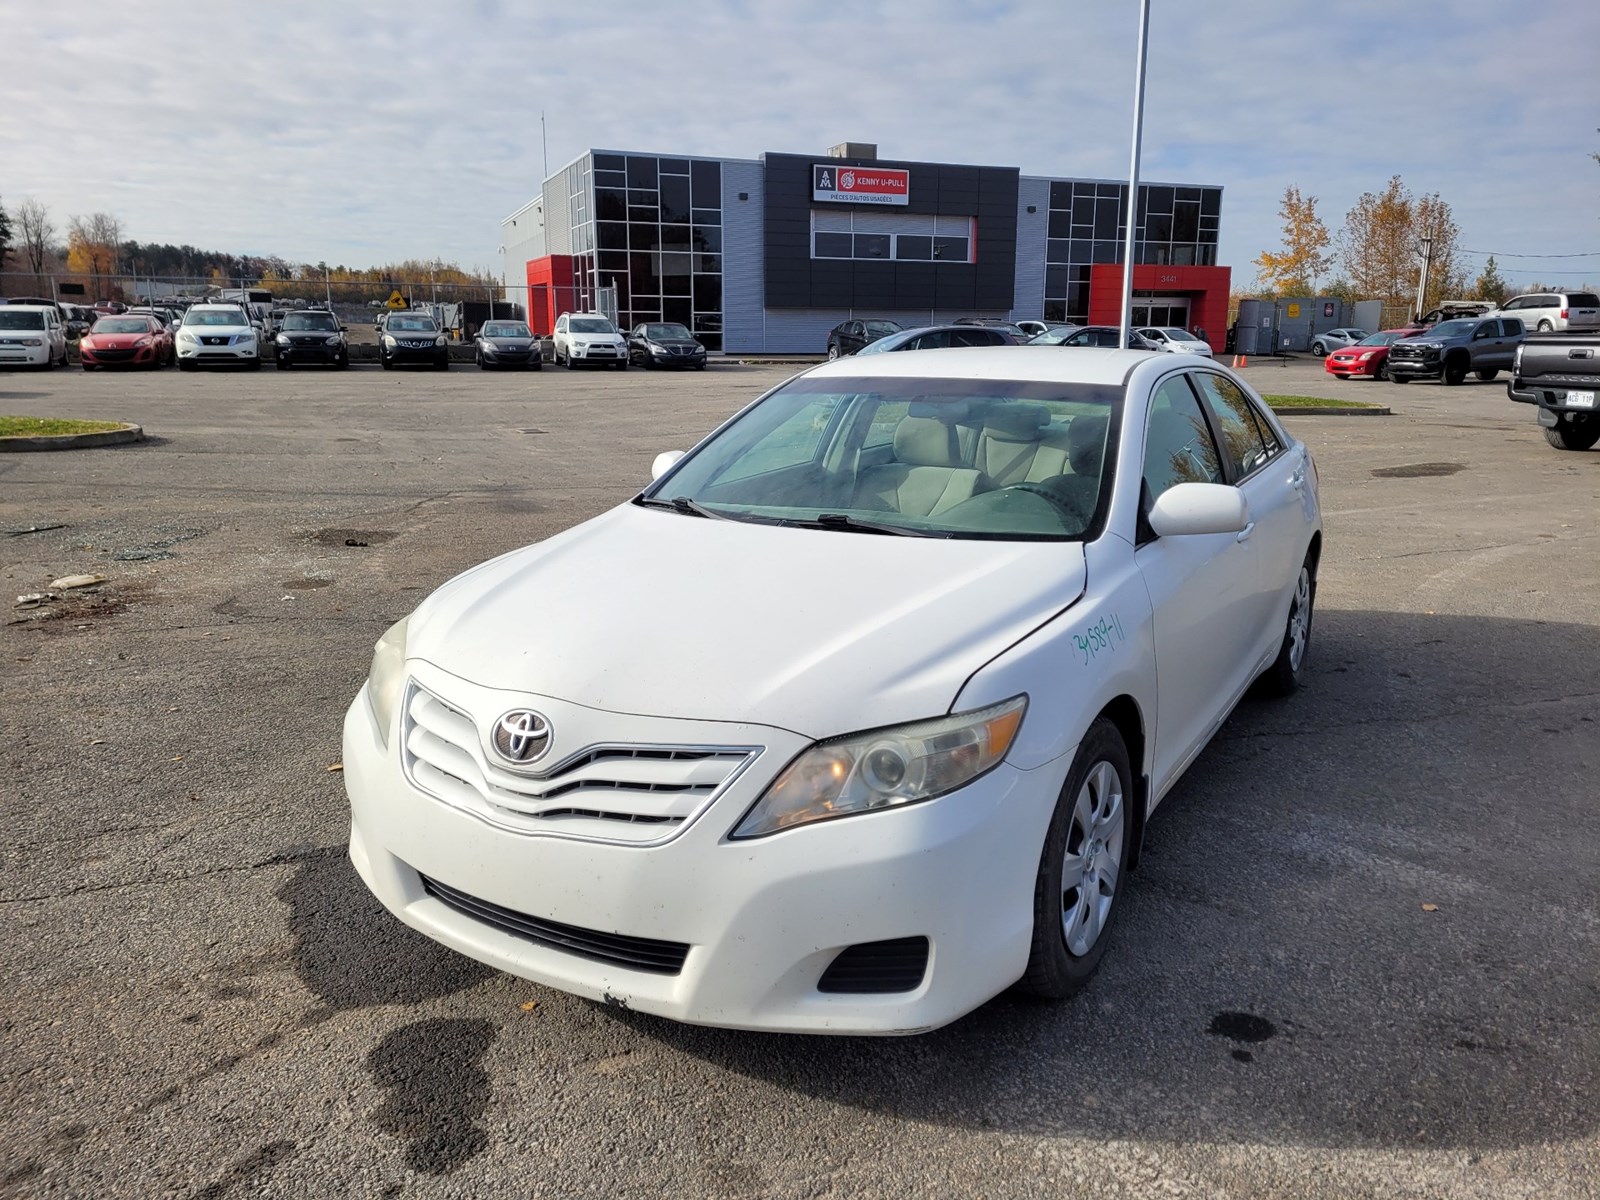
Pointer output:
x,y
1016,422
926,442
948,411
1086,439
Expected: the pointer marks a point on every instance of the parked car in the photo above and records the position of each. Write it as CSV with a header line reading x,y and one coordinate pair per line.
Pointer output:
x,y
1175,340
1330,340
847,337
1054,336
1448,351
217,334
32,335
665,344
1104,336
506,344
1016,331
1450,310
1035,328
1546,312
76,319
311,336
412,337
132,339
1560,372
588,338
818,796
940,337
1368,357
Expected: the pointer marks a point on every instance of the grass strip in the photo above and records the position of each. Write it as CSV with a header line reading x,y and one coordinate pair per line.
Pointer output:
x,y
53,426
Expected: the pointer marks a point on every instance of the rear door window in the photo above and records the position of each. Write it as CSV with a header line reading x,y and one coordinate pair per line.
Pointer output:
x,y
1178,447
1244,448
1583,300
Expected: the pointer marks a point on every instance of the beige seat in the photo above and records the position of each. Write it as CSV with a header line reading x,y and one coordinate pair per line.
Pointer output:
x,y
928,474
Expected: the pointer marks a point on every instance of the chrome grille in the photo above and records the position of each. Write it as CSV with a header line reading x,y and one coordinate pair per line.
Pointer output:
x,y
637,794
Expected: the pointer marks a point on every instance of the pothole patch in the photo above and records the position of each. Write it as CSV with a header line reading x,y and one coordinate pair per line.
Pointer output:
x,y
305,585
1429,470
352,537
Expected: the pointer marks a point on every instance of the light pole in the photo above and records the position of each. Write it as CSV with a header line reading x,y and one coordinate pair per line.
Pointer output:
x,y
1133,172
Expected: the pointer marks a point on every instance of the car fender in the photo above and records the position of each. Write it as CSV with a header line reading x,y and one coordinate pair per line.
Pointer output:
x,y
1079,662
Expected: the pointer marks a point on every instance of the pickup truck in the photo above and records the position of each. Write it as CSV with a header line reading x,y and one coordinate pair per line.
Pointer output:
x,y
1560,372
1450,349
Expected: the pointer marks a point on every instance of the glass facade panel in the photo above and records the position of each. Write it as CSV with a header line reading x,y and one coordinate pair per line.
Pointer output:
x,y
674,200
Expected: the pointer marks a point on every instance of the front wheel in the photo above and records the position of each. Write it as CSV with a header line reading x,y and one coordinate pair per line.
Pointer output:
x,y
1487,376
1082,867
185,364
833,351
1395,378
1545,327
1455,372
1567,436
253,365
1287,670
1382,372
1319,350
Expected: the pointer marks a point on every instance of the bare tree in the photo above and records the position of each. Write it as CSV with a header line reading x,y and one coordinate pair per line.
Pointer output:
x,y
94,245
37,232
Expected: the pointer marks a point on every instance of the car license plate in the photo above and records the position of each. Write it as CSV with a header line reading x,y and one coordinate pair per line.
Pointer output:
x,y
1580,399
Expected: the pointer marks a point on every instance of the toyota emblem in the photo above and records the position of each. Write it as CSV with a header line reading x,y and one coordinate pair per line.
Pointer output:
x,y
521,736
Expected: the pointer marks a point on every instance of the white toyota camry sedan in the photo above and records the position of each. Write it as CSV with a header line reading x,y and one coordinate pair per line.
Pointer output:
x,y
856,715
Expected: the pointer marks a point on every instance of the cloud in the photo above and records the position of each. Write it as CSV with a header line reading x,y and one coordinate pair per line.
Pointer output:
x,y
360,132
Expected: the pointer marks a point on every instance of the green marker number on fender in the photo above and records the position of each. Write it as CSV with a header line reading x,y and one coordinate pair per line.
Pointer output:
x,y
1103,637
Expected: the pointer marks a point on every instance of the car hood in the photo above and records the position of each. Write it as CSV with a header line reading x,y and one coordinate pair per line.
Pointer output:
x,y
675,343
508,343
820,632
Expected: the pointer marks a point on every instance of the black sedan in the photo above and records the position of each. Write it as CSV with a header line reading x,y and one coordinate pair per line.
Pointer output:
x,y
311,337
665,344
412,337
847,337
1093,335
507,344
939,337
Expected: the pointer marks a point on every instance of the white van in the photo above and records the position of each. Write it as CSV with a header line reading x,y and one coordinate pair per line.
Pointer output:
x,y
1544,312
32,335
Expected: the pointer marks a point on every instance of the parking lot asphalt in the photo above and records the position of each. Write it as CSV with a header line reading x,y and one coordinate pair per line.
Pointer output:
x,y
1360,957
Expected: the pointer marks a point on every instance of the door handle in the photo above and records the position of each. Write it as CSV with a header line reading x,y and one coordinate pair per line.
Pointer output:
x,y
1244,534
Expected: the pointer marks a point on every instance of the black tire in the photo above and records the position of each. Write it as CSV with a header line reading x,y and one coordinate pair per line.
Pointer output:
x,y
1055,970
535,363
253,365
442,365
1487,376
282,365
622,365
1455,371
1382,373
342,363
570,365
1319,350
699,366
1566,436
87,366
387,364
1393,378
1287,671
833,351
185,365
1545,327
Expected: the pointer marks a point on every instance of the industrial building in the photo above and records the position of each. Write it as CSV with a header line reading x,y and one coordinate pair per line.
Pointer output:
x,y
766,255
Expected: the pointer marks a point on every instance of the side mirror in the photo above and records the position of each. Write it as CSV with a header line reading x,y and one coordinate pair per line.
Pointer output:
x,y
344,329
666,460
1190,508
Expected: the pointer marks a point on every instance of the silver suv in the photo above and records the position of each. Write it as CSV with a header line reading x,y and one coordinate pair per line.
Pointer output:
x,y
588,338
1544,312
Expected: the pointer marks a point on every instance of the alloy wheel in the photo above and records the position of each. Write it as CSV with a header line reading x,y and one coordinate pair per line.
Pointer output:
x,y
1300,620
1092,864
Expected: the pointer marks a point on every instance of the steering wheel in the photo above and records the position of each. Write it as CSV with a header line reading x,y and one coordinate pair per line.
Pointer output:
x,y
1056,500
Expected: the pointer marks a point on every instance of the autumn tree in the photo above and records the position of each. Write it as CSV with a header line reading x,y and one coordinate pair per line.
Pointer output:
x,y
37,231
1490,285
1381,245
1295,271
94,246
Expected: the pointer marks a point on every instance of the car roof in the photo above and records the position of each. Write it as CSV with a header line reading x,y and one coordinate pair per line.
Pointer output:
x,y
1048,364
30,308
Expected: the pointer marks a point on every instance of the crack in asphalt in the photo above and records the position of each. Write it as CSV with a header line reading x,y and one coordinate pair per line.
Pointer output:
x,y
284,858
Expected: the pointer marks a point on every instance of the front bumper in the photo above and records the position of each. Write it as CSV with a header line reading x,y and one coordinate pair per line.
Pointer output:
x,y
761,919
16,354
234,352
140,356
597,354
662,358
1344,367
508,358
430,353
313,353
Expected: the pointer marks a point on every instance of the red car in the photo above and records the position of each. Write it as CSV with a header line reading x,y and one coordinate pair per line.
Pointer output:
x,y
131,340
1367,358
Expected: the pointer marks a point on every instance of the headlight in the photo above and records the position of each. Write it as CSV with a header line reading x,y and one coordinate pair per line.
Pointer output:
x,y
333,341
243,339
186,337
1366,356
885,768
32,341
388,341
387,674
441,340
283,339
144,341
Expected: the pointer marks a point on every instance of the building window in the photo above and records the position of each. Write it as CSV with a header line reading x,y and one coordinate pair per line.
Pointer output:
x,y
903,237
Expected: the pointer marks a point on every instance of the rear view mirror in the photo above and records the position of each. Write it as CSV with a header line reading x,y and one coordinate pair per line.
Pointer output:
x,y
1191,508
664,462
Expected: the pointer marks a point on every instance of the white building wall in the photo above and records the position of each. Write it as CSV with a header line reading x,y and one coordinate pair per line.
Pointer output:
x,y
744,277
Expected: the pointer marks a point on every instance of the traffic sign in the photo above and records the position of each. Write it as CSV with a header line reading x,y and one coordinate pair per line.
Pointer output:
x,y
396,300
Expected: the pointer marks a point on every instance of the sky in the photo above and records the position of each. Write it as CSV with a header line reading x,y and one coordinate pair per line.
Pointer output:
x,y
364,133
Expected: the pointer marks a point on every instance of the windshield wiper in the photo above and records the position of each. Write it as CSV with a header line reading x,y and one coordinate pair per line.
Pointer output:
x,y
857,525
683,505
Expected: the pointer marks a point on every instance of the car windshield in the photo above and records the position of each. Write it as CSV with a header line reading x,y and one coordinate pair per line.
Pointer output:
x,y
417,324
1379,339
215,316
879,329
1451,329
664,332
21,320
1180,335
1054,336
505,329
929,457
325,322
121,325
592,325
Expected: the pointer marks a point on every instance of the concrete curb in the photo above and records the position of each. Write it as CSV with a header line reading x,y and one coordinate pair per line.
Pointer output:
x,y
1334,412
76,441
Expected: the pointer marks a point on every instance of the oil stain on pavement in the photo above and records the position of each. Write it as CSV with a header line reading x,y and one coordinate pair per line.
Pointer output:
x,y
437,1089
